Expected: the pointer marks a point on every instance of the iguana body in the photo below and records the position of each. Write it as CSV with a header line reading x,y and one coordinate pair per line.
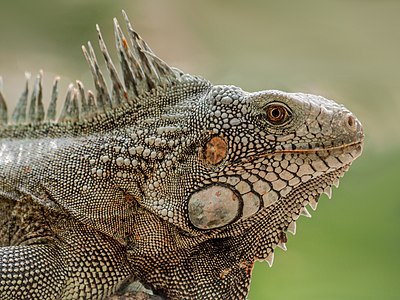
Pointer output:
x,y
165,179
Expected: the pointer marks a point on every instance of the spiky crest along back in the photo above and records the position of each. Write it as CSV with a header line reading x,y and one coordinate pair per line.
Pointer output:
x,y
145,78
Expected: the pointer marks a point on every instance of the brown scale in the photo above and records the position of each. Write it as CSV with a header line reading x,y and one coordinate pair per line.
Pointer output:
x,y
214,151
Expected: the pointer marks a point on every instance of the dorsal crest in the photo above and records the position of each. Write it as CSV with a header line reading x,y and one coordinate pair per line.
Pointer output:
x,y
142,72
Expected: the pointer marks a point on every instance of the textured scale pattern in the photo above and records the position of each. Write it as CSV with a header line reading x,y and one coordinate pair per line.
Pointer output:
x,y
159,178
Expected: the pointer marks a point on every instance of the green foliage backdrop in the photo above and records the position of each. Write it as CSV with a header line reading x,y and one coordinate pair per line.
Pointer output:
x,y
345,50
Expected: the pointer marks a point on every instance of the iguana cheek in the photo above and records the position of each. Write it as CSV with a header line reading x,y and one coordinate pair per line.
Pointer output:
x,y
213,207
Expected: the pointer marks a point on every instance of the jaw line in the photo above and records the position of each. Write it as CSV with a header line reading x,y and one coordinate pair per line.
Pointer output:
x,y
341,147
307,151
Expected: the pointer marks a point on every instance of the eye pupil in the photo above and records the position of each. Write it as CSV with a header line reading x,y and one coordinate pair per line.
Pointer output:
x,y
277,114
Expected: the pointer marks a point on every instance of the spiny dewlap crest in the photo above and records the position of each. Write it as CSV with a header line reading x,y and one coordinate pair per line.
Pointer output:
x,y
143,73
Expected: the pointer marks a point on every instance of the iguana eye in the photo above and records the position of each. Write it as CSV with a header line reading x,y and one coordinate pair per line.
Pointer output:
x,y
277,113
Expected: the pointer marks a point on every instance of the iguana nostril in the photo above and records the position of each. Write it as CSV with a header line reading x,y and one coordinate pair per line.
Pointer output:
x,y
351,122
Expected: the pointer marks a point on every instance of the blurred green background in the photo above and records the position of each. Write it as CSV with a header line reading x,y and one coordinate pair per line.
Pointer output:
x,y
347,50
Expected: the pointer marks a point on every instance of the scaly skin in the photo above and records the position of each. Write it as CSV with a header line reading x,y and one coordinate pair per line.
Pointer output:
x,y
165,179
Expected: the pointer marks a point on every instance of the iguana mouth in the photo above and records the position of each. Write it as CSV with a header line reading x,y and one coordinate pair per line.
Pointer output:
x,y
335,150
320,150
344,147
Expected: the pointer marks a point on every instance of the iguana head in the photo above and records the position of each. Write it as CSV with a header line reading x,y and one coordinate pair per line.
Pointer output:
x,y
264,147
242,153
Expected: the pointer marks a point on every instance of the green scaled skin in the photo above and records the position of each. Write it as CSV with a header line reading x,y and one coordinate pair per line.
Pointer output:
x,y
162,178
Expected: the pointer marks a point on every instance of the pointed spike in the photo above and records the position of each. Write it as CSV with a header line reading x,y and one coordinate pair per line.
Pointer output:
x,y
67,103
81,92
137,83
52,109
3,105
270,259
163,72
336,182
92,104
135,35
155,70
88,60
152,75
139,49
127,73
138,46
313,203
19,113
304,212
328,191
167,74
32,105
100,102
101,87
282,245
123,53
74,107
132,34
292,228
118,91
39,104
36,109
124,14
137,39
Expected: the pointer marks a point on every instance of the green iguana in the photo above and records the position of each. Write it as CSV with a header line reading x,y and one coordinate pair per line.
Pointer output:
x,y
161,178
